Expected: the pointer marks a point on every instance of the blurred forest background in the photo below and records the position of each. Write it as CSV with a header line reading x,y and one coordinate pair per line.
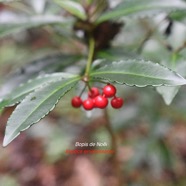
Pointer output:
x,y
151,135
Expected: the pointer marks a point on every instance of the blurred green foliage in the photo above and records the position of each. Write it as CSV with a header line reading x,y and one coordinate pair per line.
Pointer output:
x,y
151,135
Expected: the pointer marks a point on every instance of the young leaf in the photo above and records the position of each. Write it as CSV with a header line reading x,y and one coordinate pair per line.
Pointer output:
x,y
20,92
17,24
73,7
36,106
139,73
129,7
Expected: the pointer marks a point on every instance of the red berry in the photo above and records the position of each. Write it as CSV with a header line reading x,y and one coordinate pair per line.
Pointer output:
x,y
100,102
76,102
88,104
109,90
93,92
117,102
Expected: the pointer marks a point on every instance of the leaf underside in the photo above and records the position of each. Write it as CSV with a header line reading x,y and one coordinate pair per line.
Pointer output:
x,y
168,93
36,106
138,73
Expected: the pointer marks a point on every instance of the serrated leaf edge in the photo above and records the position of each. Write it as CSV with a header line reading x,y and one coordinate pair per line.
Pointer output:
x,y
30,81
29,95
140,61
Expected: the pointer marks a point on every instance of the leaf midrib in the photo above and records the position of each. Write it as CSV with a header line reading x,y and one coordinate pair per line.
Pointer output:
x,y
111,72
29,90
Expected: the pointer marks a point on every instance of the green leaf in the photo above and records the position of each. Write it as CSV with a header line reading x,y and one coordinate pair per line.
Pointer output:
x,y
117,53
131,7
36,106
3,104
178,15
168,93
20,92
73,7
47,65
17,24
139,73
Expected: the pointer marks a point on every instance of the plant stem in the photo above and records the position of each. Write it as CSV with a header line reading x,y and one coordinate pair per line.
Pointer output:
x,y
90,55
174,59
82,91
114,148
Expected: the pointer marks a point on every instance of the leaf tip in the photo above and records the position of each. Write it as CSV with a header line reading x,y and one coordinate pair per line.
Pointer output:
x,y
5,142
8,139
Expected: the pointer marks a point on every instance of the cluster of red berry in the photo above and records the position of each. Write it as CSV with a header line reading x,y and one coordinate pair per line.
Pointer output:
x,y
96,100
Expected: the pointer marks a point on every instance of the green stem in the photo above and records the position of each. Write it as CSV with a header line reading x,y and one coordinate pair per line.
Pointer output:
x,y
174,59
90,55
83,90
